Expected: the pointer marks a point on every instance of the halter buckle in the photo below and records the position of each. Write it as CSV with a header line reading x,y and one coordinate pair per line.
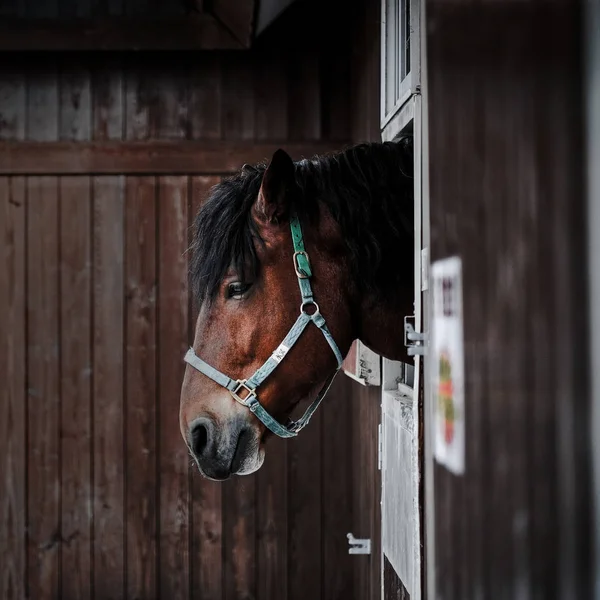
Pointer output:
x,y
299,273
241,385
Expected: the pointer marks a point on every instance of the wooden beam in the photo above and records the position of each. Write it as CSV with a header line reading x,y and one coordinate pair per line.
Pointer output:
x,y
237,16
194,32
164,157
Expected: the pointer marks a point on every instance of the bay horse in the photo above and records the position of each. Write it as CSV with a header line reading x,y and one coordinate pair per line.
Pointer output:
x,y
290,263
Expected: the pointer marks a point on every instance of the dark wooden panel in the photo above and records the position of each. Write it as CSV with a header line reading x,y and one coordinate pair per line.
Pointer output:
x,y
270,97
206,80
305,489
239,538
108,382
507,198
366,482
200,32
172,343
75,385
140,367
206,517
237,96
338,518
13,400
237,16
43,389
210,157
75,103
304,98
107,100
12,104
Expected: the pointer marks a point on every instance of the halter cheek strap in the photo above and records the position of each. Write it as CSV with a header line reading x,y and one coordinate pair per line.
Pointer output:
x,y
244,390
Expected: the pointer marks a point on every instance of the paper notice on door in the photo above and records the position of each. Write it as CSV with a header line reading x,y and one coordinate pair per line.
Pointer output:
x,y
448,365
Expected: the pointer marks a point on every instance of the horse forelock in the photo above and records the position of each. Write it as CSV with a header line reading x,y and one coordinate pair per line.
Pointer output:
x,y
367,188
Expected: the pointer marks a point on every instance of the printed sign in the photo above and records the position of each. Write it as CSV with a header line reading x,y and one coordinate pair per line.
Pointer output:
x,y
448,364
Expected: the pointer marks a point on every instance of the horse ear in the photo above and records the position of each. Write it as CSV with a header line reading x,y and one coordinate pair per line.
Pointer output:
x,y
272,203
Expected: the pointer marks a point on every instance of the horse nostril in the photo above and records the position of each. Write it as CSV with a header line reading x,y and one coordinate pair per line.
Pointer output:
x,y
199,436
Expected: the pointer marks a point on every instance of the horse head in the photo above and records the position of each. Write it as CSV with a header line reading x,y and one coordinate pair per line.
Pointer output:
x,y
281,298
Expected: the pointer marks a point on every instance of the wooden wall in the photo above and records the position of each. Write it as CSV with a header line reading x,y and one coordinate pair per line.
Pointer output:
x,y
98,495
505,152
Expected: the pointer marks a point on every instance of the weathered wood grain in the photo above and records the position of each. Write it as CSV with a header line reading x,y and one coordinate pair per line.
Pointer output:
x,y
174,560
108,386
141,426
43,389
13,398
161,157
75,386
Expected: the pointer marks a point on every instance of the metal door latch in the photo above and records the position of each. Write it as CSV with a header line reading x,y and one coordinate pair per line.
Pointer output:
x,y
415,342
358,546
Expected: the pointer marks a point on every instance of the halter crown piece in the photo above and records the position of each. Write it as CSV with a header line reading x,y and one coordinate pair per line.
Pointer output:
x,y
248,387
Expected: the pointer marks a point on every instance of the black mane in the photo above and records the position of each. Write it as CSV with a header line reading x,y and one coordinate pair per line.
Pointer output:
x,y
368,189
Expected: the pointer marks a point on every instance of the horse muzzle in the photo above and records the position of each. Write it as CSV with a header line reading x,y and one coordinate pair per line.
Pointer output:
x,y
224,450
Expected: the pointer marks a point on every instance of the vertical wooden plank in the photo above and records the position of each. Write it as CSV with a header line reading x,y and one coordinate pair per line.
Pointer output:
x,y
140,414
304,96
43,350
171,83
363,482
12,104
548,316
107,99
240,538
237,111
140,101
205,96
43,103
519,222
206,518
337,490
76,373
172,338
13,463
43,364
75,103
74,118
108,368
305,489
270,96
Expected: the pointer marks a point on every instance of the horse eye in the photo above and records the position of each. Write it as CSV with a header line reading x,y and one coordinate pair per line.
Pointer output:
x,y
237,289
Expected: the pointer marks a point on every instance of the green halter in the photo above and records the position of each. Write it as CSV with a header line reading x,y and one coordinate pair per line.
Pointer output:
x,y
249,386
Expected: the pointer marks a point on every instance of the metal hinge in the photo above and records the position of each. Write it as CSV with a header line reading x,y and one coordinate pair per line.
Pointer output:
x,y
415,342
379,446
358,546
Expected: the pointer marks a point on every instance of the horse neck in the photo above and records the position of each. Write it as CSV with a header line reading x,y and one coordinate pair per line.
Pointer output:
x,y
381,323
381,311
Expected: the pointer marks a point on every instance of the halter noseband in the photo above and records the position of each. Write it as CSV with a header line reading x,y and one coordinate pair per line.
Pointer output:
x,y
249,386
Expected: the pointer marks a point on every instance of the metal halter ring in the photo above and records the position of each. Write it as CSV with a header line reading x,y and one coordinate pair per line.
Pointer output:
x,y
241,385
307,303
299,273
